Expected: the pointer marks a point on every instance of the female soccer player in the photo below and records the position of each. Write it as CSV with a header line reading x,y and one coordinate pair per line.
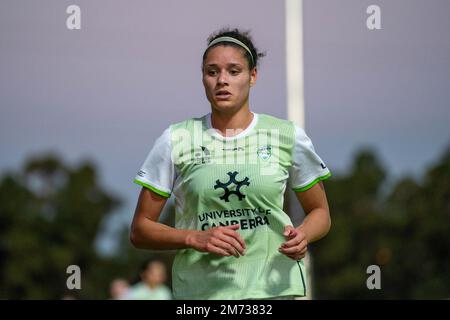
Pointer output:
x,y
228,172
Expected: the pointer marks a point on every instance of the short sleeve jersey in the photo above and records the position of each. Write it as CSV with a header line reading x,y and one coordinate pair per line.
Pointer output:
x,y
220,181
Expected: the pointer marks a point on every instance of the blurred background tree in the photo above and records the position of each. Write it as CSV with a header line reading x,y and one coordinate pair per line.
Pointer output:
x,y
404,230
51,215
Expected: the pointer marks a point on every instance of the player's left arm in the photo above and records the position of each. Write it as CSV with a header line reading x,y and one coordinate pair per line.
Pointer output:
x,y
315,226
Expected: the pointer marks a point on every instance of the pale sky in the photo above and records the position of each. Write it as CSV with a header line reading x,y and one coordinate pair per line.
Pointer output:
x,y
105,92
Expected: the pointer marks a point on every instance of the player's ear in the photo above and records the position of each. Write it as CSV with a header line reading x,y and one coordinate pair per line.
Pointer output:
x,y
253,76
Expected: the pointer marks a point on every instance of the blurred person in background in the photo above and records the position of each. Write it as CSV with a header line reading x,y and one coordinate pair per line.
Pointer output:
x,y
119,289
152,286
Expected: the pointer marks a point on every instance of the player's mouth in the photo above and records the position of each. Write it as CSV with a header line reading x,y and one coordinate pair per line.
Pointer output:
x,y
223,95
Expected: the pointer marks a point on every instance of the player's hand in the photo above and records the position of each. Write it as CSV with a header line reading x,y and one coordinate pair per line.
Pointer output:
x,y
224,241
296,245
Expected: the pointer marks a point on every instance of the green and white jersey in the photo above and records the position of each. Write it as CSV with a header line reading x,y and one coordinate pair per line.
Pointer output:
x,y
219,181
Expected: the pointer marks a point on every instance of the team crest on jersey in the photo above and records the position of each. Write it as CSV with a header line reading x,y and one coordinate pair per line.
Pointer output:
x,y
233,184
264,152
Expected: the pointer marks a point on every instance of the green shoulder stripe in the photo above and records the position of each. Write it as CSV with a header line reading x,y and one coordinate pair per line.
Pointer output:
x,y
312,183
161,193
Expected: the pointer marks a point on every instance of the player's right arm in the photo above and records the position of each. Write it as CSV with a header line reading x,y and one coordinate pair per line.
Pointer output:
x,y
148,233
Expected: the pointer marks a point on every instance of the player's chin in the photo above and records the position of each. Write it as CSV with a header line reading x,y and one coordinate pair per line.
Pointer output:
x,y
224,106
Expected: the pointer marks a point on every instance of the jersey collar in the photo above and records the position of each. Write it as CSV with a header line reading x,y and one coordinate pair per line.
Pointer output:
x,y
217,134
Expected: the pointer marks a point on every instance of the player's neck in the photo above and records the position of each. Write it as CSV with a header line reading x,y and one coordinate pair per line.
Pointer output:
x,y
231,124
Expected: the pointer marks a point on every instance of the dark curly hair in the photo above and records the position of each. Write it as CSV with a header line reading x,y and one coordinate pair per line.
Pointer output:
x,y
244,37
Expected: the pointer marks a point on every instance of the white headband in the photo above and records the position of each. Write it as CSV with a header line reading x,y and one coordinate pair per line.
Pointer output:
x,y
230,39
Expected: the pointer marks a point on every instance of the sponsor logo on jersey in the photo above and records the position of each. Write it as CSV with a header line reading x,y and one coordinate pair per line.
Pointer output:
x,y
141,173
264,152
202,156
248,218
233,149
232,182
